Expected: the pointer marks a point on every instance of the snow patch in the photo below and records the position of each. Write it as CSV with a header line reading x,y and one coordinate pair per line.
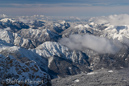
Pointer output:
x,y
92,73
110,71
76,80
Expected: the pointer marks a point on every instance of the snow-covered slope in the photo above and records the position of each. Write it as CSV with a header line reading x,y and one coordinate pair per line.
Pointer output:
x,y
120,33
82,29
38,36
11,69
58,55
15,39
49,49
79,29
61,26
22,55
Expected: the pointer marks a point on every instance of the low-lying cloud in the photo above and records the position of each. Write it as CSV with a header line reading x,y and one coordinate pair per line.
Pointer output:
x,y
122,19
98,44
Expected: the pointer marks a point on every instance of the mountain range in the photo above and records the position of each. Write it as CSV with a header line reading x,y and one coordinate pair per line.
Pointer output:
x,y
38,48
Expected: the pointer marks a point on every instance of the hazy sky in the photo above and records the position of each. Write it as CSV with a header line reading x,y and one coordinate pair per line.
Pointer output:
x,y
64,7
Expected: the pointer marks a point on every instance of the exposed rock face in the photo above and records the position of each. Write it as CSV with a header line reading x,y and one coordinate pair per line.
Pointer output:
x,y
62,67
11,69
60,58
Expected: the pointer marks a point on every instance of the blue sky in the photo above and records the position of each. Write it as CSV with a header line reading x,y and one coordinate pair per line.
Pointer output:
x,y
86,8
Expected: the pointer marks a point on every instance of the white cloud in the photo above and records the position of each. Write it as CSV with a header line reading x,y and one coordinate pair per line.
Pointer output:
x,y
122,19
3,16
98,44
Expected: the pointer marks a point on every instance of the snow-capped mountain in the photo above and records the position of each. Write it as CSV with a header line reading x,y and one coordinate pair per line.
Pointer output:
x,y
114,29
6,20
58,55
117,32
38,36
61,26
41,47
13,24
15,39
49,49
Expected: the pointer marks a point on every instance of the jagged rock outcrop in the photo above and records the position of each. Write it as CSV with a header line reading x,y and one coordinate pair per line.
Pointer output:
x,y
14,72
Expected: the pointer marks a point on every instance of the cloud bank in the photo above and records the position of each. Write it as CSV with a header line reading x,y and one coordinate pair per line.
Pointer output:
x,y
83,9
122,19
98,44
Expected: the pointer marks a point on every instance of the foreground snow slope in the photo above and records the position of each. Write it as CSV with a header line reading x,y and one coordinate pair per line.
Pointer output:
x,y
12,69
